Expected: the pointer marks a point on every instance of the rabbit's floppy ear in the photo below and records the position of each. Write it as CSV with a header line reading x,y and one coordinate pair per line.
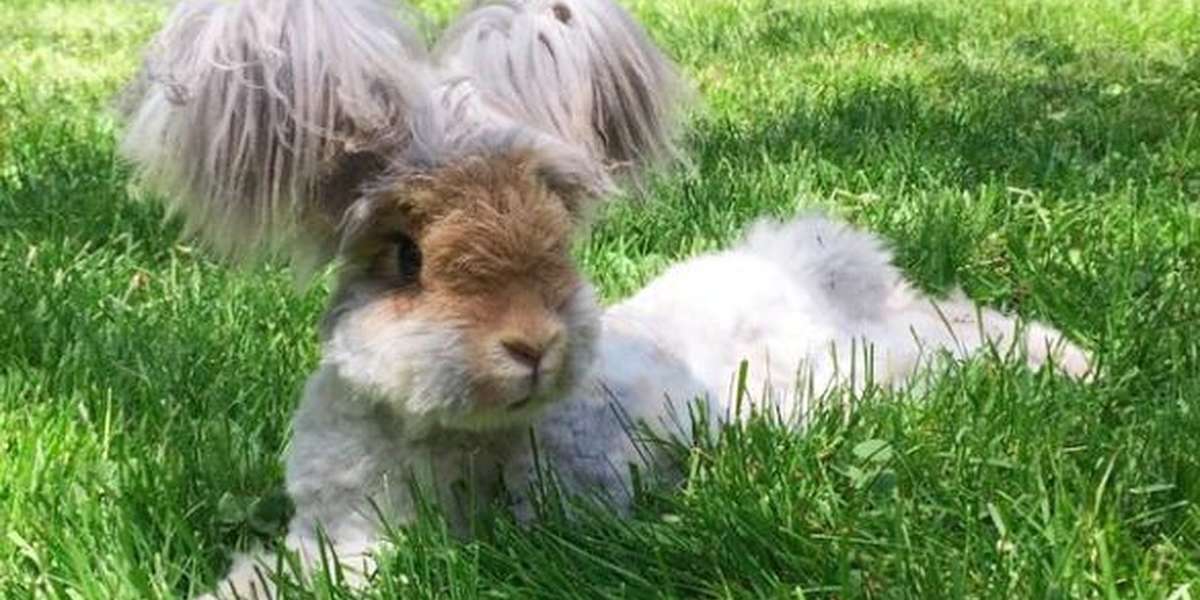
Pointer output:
x,y
582,69
259,119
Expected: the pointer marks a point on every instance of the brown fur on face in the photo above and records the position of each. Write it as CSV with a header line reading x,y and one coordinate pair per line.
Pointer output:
x,y
494,237
485,224
482,224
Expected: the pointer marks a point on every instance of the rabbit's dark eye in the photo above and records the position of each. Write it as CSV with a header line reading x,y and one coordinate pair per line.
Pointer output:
x,y
408,259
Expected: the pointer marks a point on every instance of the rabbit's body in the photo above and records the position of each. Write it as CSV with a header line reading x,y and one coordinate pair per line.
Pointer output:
x,y
813,304
809,305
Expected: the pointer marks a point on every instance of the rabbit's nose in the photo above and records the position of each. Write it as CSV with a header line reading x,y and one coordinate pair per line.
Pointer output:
x,y
525,351
539,353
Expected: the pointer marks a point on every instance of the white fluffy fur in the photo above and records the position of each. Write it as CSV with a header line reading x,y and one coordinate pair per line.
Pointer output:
x,y
798,301
418,367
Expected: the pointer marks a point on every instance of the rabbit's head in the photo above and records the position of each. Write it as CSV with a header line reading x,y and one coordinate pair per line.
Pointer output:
x,y
315,129
459,304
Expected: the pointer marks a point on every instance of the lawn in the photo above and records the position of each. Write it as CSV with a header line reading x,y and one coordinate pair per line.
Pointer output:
x,y
1045,156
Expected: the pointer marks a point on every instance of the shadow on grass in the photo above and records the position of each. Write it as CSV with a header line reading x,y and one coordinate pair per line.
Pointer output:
x,y
1089,126
61,179
798,28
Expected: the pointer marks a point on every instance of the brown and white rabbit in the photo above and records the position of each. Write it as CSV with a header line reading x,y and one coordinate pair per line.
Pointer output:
x,y
450,189
436,370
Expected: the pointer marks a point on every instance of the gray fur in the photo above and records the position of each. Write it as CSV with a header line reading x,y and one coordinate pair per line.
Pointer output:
x,y
440,138
253,117
460,122
852,269
581,69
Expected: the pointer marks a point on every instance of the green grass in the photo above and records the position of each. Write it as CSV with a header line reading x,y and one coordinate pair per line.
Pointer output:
x,y
1043,155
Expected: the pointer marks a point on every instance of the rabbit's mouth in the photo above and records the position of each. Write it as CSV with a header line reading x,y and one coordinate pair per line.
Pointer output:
x,y
520,404
537,396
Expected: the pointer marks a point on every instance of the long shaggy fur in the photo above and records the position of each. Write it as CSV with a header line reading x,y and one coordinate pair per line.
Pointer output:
x,y
581,69
811,305
255,117
263,120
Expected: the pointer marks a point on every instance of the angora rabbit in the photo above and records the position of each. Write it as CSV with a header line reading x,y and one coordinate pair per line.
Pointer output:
x,y
435,370
449,188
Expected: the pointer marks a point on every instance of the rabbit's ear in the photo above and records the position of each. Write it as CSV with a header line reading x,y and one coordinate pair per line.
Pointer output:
x,y
583,69
259,119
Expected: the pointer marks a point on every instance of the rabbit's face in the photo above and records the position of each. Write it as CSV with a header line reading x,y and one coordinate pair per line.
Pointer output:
x,y
459,304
